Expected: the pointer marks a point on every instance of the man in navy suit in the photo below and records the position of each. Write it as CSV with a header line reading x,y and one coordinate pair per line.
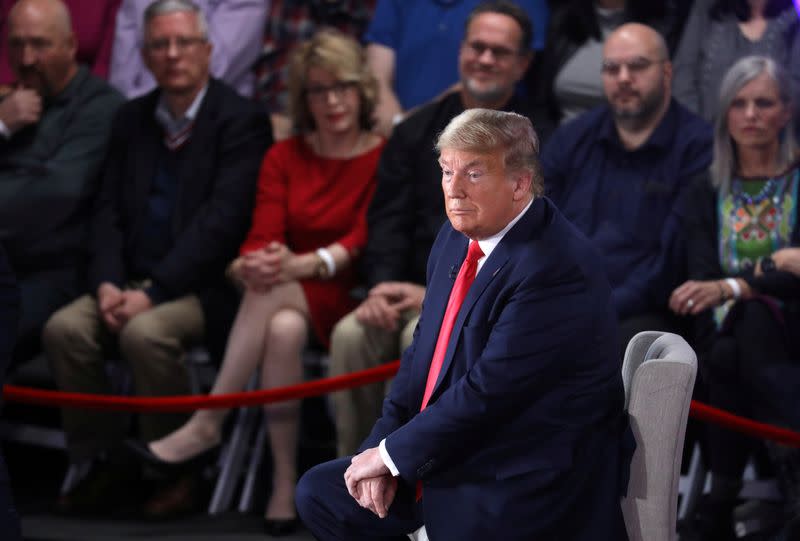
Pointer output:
x,y
509,425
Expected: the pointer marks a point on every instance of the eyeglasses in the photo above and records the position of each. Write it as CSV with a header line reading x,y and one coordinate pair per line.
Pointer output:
x,y
477,48
321,93
635,66
182,44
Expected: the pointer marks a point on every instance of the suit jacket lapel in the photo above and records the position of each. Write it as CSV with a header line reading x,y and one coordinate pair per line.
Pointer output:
x,y
532,221
436,297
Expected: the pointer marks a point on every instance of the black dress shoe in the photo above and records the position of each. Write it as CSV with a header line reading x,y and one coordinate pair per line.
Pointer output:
x,y
280,527
143,452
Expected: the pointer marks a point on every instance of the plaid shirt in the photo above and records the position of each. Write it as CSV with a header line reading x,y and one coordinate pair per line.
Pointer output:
x,y
292,21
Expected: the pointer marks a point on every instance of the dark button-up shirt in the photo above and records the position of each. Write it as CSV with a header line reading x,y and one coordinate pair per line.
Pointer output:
x,y
630,203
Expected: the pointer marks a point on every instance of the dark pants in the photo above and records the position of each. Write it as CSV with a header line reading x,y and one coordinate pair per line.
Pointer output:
x,y
328,510
753,345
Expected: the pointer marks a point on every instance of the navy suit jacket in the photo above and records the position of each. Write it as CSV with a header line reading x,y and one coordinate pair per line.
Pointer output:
x,y
521,437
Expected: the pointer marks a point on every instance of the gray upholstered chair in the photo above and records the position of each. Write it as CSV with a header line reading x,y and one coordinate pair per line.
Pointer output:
x,y
658,371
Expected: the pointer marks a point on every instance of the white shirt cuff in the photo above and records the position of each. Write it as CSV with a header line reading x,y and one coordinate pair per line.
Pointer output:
x,y
4,131
387,459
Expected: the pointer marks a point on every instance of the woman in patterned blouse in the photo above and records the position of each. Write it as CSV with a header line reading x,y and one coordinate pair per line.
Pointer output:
x,y
741,220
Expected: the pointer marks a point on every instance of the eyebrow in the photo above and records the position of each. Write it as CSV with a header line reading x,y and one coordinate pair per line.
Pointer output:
x,y
473,163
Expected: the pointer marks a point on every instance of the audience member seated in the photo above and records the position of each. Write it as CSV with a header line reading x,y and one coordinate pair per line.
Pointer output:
x,y
742,289
175,204
289,23
565,80
93,29
413,47
54,129
9,316
620,173
235,29
295,266
407,212
719,32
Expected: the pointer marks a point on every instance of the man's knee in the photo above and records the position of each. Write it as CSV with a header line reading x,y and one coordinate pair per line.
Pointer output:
x,y
141,335
347,333
321,496
66,329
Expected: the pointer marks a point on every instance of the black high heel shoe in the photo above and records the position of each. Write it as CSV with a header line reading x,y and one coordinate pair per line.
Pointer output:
x,y
143,452
280,527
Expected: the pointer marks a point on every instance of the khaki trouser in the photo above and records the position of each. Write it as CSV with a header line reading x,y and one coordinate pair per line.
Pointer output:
x,y
357,347
153,343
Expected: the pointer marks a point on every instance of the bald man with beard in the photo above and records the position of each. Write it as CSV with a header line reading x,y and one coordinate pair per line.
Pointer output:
x,y
619,173
54,127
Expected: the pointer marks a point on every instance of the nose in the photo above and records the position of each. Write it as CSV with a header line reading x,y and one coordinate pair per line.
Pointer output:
x,y
172,49
454,187
332,96
486,56
624,73
750,110
28,56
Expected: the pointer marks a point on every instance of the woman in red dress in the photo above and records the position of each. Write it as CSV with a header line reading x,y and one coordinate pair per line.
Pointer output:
x,y
295,267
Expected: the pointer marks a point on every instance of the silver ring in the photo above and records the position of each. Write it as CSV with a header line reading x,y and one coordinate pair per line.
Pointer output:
x,y
690,303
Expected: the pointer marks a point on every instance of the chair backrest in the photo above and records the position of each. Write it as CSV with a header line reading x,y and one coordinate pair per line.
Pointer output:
x,y
658,371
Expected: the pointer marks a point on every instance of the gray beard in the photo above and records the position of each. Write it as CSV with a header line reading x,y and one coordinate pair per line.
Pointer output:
x,y
491,95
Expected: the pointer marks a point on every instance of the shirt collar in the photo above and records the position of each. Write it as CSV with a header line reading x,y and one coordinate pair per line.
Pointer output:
x,y
490,243
172,124
662,137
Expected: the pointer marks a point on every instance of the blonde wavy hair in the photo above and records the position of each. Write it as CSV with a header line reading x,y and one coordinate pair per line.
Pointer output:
x,y
345,59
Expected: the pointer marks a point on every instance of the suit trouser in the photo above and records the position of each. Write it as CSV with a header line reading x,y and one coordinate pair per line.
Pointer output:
x,y
153,343
357,347
328,510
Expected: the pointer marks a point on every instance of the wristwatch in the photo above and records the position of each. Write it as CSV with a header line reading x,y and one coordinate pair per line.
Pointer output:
x,y
767,264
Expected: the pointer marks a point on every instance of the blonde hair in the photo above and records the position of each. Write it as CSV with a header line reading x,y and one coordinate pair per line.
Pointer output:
x,y
345,59
484,130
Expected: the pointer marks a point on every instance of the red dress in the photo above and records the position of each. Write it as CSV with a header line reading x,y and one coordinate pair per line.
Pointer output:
x,y
307,202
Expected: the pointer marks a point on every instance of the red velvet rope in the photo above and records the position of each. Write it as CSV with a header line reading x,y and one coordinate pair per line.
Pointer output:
x,y
27,395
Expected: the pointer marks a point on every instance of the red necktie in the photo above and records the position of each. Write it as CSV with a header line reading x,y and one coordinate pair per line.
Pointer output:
x,y
466,275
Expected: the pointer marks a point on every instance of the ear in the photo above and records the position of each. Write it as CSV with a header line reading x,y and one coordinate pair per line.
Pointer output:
x,y
523,183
